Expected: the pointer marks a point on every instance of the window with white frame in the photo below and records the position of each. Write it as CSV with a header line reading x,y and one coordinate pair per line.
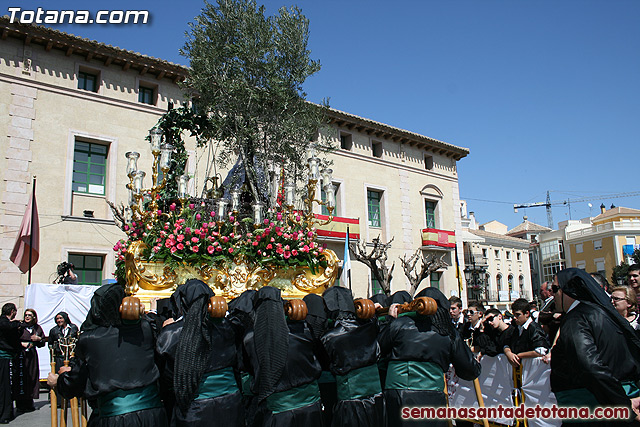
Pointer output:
x,y
579,248
582,265
497,253
508,254
597,245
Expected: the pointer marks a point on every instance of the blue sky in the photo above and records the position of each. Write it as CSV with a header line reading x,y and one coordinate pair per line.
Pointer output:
x,y
545,94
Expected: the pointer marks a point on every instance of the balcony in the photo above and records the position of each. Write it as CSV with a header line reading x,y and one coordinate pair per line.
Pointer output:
x,y
432,238
505,296
632,225
337,229
474,294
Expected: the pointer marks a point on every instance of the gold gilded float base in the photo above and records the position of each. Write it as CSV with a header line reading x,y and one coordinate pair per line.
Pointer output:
x,y
148,280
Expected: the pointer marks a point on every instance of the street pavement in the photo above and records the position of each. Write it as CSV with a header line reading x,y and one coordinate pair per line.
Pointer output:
x,y
41,417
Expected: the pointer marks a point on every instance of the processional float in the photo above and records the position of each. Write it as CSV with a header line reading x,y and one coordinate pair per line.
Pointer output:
x,y
229,240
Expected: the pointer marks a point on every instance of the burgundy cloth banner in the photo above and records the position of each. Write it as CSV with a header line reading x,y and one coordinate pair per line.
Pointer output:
x,y
20,254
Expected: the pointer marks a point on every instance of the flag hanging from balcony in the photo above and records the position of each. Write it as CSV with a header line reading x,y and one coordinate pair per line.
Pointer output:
x,y
26,250
345,277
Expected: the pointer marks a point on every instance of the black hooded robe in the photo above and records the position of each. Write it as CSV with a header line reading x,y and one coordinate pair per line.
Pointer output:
x,y
596,360
215,398
115,365
285,368
353,352
420,349
222,410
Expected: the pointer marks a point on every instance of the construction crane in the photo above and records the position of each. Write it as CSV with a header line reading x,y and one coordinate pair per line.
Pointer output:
x,y
533,205
568,202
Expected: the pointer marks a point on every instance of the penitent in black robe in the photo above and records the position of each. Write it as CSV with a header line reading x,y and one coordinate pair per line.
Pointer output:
x,y
591,360
223,407
414,346
301,372
353,353
109,364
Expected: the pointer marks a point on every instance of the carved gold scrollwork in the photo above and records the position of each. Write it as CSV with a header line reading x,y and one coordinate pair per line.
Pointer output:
x,y
149,279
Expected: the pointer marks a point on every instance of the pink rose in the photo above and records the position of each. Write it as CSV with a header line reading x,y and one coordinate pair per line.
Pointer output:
x,y
255,243
211,249
287,255
173,249
198,217
294,252
180,237
191,206
230,250
279,216
195,239
195,248
269,246
180,246
172,207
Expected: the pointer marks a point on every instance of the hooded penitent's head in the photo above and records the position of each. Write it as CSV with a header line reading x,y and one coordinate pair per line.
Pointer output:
x,y
579,285
191,301
185,295
105,307
400,297
442,319
381,299
339,303
316,315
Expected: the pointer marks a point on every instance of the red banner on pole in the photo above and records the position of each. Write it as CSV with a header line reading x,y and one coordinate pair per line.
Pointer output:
x,y
26,251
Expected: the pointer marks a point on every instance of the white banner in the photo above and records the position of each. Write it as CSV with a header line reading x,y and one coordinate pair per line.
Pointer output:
x,y
496,384
48,300
536,386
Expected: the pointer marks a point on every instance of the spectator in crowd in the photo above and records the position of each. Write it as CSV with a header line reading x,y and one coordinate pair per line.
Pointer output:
x,y
26,374
596,359
547,317
456,313
473,327
633,279
10,333
602,281
531,340
625,301
498,331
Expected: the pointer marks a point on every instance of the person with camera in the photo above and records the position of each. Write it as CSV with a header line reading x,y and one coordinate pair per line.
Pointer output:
x,y
66,275
10,333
